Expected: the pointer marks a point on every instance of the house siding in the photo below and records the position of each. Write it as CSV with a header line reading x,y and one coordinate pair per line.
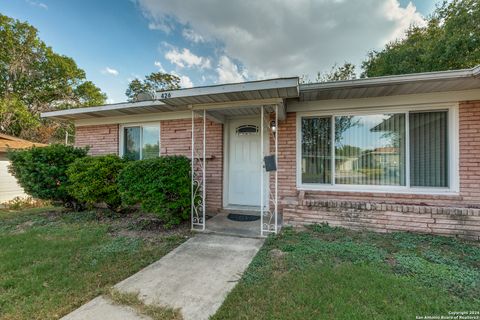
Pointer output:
x,y
175,139
437,214
456,214
101,139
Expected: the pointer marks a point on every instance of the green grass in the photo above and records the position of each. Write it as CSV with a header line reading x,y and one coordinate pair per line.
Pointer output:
x,y
153,311
334,273
51,261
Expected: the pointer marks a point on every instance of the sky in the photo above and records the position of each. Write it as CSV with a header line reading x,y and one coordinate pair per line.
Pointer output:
x,y
214,41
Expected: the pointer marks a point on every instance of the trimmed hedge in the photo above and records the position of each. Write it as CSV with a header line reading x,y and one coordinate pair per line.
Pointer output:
x,y
94,180
42,171
161,186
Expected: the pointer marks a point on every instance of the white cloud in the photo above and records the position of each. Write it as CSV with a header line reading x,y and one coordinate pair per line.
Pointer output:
x,y
185,81
158,64
185,58
159,26
403,16
228,71
288,37
191,35
37,4
110,71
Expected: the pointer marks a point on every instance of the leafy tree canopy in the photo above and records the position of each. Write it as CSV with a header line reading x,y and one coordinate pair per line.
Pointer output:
x,y
35,79
337,73
155,81
450,40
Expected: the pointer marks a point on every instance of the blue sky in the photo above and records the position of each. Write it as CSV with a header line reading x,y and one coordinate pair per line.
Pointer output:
x,y
213,41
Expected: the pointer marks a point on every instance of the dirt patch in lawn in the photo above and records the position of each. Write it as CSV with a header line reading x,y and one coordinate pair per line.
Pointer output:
x,y
146,227
132,224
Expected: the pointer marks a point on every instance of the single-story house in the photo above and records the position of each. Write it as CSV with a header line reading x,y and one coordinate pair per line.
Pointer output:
x,y
387,153
9,188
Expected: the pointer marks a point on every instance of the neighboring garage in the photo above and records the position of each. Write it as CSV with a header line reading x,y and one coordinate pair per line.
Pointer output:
x,y
9,187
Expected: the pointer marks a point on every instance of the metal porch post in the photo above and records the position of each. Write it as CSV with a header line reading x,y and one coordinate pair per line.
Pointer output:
x,y
198,181
204,165
262,189
276,166
192,161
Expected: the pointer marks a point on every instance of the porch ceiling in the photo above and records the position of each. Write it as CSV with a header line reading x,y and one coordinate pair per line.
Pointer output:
x,y
111,110
222,114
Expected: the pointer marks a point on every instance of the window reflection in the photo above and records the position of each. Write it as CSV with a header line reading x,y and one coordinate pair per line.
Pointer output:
x,y
370,150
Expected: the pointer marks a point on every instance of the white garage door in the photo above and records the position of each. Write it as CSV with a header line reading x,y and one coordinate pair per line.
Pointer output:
x,y
9,188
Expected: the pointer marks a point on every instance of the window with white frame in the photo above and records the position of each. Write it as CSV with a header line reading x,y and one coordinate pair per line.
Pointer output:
x,y
408,149
140,141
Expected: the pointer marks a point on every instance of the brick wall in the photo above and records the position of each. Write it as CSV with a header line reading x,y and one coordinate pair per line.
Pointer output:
x,y
469,132
287,157
102,139
176,139
381,217
295,211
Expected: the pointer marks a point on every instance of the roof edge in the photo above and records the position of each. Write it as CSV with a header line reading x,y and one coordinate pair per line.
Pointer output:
x,y
275,83
105,107
394,79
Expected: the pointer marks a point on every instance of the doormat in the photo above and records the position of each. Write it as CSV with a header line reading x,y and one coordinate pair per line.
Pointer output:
x,y
242,217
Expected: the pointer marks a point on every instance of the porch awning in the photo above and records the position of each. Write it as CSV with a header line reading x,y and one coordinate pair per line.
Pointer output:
x,y
246,91
227,96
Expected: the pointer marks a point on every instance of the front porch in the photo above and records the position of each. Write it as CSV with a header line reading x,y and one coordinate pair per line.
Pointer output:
x,y
250,169
249,116
227,222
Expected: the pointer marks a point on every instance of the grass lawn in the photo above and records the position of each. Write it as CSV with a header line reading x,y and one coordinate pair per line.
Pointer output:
x,y
52,261
334,273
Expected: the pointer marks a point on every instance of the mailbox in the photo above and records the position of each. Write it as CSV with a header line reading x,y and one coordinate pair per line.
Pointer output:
x,y
270,163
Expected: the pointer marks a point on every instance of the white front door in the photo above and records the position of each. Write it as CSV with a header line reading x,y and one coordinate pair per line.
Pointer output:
x,y
244,162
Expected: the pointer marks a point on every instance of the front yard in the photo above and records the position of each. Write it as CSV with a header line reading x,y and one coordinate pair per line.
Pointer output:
x,y
333,273
51,261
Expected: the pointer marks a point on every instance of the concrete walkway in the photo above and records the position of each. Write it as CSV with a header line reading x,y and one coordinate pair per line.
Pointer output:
x,y
195,277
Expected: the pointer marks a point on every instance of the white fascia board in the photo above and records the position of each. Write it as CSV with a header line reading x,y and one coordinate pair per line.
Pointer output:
x,y
389,80
476,71
230,88
385,102
106,107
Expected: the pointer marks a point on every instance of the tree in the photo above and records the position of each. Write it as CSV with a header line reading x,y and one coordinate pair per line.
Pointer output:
x,y
450,40
155,81
35,79
337,73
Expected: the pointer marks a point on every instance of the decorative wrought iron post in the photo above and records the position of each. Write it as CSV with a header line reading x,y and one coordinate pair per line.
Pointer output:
x,y
269,217
198,161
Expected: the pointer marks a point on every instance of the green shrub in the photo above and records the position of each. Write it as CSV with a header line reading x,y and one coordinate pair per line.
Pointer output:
x,y
160,185
94,180
41,171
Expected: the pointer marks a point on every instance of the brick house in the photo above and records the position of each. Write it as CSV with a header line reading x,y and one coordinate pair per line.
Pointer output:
x,y
386,154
